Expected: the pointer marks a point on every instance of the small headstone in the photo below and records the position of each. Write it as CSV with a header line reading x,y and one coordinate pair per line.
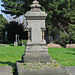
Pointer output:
x,y
16,42
70,46
22,44
6,34
54,45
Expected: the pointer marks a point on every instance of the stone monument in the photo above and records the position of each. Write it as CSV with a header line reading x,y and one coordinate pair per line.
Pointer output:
x,y
36,60
36,50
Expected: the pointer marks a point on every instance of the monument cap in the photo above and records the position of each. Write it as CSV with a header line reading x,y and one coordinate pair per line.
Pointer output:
x,y
35,4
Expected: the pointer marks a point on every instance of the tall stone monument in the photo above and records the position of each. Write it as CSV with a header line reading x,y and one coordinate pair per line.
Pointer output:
x,y
36,60
36,50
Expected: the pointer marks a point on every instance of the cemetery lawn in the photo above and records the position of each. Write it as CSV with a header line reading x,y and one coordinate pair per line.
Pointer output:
x,y
64,56
9,55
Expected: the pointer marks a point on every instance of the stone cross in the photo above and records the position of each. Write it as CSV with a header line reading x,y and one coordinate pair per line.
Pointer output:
x,y
6,34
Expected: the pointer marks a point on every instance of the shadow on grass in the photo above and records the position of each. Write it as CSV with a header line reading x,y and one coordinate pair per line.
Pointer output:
x,y
8,63
14,69
70,53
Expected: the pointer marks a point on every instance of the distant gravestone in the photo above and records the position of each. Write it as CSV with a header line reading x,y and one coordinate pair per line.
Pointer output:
x,y
70,46
16,40
6,34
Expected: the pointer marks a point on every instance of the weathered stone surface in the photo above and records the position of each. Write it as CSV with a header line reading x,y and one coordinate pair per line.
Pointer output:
x,y
6,70
45,71
36,57
36,49
54,45
70,46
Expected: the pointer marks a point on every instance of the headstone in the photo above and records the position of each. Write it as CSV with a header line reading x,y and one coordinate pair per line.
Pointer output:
x,y
70,46
53,45
36,49
6,34
16,37
16,42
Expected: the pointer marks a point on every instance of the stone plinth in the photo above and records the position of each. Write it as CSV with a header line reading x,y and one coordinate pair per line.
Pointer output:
x,y
36,57
22,70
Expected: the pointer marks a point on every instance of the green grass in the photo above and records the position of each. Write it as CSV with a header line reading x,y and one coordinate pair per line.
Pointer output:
x,y
64,56
9,55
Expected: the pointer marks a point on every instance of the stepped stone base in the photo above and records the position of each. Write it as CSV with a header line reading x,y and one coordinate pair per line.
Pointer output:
x,y
36,53
34,56
46,71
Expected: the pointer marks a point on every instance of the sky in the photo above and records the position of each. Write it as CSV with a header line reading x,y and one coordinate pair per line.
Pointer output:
x,y
8,16
1,8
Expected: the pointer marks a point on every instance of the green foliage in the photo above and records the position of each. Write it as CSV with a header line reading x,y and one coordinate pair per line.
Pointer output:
x,y
64,39
64,56
14,28
24,42
3,22
72,33
60,14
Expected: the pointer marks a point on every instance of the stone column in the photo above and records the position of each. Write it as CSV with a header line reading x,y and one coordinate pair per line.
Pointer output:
x,y
43,29
29,34
42,35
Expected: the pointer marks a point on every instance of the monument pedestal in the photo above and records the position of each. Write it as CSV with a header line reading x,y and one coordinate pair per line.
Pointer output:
x,y
36,52
24,69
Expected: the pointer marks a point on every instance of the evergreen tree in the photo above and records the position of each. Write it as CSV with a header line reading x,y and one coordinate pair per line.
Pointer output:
x,y
61,13
3,22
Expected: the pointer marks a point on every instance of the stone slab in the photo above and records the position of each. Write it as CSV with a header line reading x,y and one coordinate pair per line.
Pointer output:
x,y
71,69
6,70
46,71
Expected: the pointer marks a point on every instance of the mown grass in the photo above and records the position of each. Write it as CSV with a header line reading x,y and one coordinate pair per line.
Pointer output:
x,y
64,56
9,55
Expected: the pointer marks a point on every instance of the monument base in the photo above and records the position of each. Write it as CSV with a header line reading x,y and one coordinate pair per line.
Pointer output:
x,y
36,53
24,69
34,56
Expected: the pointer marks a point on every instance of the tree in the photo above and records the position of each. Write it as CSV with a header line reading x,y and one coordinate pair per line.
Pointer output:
x,y
3,22
14,28
61,13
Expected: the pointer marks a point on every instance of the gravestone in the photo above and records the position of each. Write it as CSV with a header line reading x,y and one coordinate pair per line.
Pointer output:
x,y
36,50
16,42
6,34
